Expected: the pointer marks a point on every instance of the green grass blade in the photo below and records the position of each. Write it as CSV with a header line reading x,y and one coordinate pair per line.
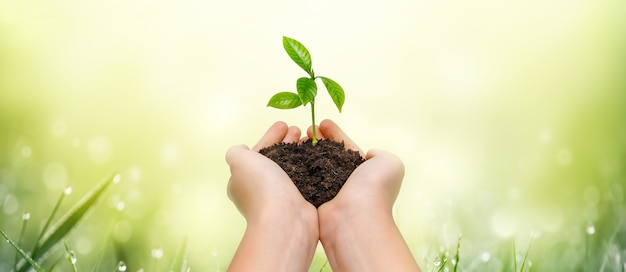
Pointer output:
x,y
71,257
526,255
70,220
52,214
21,252
514,257
180,261
443,264
456,256
20,239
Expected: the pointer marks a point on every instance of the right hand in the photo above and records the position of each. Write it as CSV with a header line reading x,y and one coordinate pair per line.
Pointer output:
x,y
374,184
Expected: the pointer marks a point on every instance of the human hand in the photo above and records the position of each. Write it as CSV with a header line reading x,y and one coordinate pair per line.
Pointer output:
x,y
374,184
282,227
357,228
257,183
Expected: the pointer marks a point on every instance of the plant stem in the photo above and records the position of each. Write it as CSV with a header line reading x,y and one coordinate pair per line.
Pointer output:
x,y
313,134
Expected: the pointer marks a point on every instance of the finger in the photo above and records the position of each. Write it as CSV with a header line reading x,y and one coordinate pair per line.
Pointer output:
x,y
234,152
332,131
275,134
386,160
293,135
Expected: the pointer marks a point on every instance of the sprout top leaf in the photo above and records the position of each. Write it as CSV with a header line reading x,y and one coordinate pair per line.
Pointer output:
x,y
305,86
299,54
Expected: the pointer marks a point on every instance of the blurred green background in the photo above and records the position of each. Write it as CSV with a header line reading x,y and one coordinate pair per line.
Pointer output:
x,y
509,117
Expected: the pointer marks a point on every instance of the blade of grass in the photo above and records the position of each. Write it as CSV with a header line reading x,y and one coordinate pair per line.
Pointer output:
x,y
69,220
443,264
526,255
609,242
514,257
180,261
71,257
20,239
456,256
67,191
21,252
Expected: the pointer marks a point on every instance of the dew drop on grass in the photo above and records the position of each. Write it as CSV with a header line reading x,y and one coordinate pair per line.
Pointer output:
x,y
68,190
437,262
26,216
121,266
157,253
72,257
591,230
117,178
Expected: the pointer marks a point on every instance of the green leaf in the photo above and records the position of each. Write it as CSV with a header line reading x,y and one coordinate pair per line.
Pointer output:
x,y
22,253
307,89
335,91
285,100
299,54
69,221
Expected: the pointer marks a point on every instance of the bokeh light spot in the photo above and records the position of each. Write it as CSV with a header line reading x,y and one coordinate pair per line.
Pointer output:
x,y
503,222
135,174
122,231
26,151
545,136
84,245
157,253
59,128
55,176
100,150
10,204
591,230
564,156
170,154
485,256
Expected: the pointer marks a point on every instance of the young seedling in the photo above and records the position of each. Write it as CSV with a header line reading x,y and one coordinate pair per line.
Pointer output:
x,y
305,86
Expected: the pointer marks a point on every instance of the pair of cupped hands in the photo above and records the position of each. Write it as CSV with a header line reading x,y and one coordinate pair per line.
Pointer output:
x,y
258,185
356,228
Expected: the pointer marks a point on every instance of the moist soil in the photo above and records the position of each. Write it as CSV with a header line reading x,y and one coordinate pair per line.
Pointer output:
x,y
318,171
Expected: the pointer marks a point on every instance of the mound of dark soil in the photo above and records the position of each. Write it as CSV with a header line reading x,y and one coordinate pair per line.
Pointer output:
x,y
318,171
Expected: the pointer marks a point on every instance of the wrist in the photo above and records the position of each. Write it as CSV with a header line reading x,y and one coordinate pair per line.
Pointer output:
x,y
278,239
337,219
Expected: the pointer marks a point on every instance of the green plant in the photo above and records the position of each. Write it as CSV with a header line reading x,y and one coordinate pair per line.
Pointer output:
x,y
305,86
51,237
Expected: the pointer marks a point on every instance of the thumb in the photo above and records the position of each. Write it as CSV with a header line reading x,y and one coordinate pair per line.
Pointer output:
x,y
234,152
